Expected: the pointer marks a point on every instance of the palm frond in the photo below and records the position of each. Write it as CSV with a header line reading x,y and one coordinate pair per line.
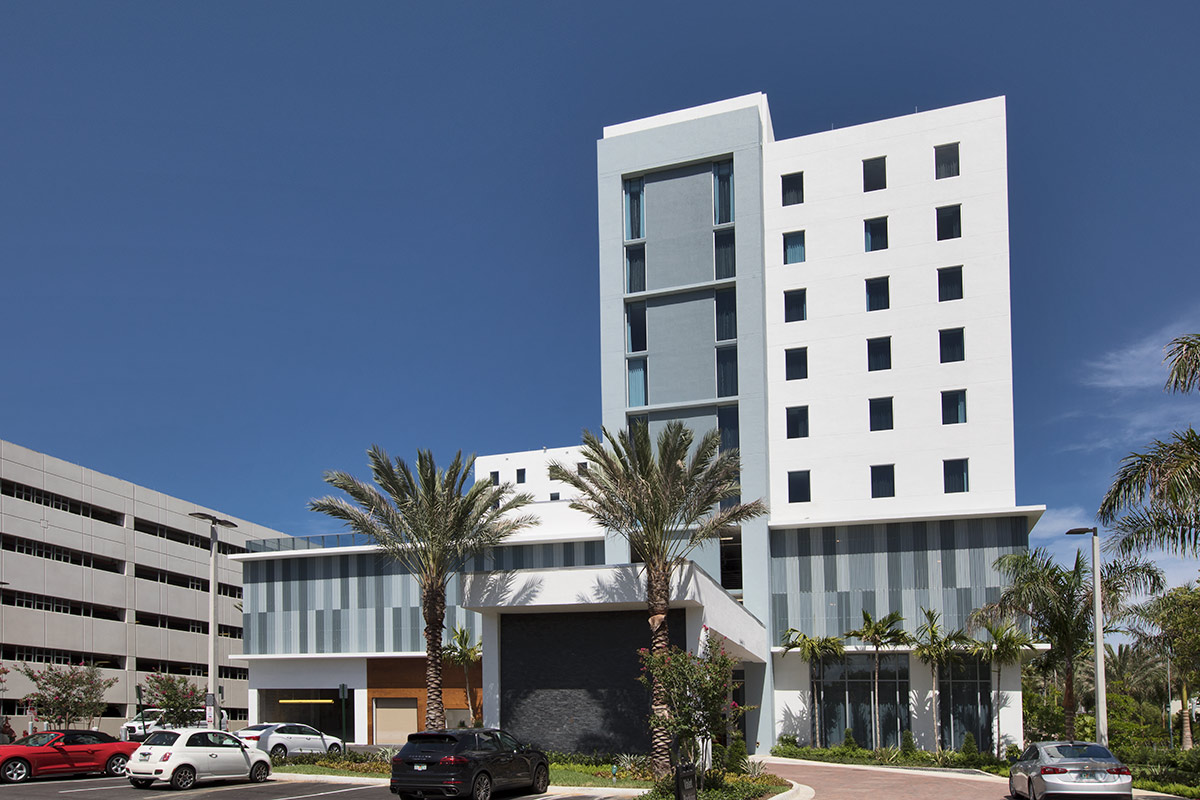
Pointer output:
x,y
1183,355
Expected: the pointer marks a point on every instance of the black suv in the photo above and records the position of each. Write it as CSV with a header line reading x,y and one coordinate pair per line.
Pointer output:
x,y
469,762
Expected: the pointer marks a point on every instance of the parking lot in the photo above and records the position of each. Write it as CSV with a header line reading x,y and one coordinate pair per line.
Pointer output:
x,y
92,788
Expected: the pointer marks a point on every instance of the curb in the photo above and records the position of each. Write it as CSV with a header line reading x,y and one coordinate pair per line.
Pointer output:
x,y
936,772
605,791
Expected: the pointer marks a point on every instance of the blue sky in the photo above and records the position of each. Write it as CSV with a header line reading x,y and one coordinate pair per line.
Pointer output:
x,y
240,242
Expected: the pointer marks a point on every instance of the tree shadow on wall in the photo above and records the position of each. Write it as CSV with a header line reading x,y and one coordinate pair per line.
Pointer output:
x,y
505,588
622,585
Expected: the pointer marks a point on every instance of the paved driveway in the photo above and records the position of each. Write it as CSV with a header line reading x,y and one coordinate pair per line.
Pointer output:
x,y
839,782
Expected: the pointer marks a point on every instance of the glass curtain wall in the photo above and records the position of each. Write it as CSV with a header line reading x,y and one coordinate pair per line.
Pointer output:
x,y
966,703
844,689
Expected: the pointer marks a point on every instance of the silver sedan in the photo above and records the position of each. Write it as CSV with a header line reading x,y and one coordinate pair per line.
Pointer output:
x,y
1068,768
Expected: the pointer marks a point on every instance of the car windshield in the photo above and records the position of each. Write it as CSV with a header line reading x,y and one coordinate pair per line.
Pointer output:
x,y
254,728
1073,751
161,739
37,739
429,744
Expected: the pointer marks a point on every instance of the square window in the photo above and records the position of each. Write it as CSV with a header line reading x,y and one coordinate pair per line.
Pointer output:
x,y
954,473
945,159
881,413
495,476
879,353
949,222
722,192
726,314
793,247
950,286
874,174
797,422
635,327
637,382
875,232
799,488
724,255
952,345
727,372
520,476
877,294
793,189
954,407
795,305
635,212
635,268
581,468
883,480
553,496
797,364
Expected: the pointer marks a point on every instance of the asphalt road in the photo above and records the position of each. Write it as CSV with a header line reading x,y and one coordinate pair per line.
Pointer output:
x,y
93,788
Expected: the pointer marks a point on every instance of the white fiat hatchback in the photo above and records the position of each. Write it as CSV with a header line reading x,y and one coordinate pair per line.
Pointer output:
x,y
183,757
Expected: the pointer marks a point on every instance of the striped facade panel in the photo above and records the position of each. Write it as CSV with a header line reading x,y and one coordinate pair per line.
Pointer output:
x,y
368,602
823,578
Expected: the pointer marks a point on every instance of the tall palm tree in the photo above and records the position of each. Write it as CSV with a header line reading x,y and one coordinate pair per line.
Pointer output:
x,y
938,648
1006,644
814,649
665,503
431,523
1169,623
1158,491
462,652
1057,600
880,633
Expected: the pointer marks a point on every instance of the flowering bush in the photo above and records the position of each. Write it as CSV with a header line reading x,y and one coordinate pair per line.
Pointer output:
x,y
176,696
62,696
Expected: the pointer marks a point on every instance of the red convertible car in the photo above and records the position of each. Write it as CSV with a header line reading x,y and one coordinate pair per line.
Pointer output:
x,y
63,753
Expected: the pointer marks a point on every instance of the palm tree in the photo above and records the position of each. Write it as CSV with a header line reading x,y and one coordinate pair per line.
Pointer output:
x,y
431,523
880,633
1169,623
1005,645
1058,602
938,648
460,651
1159,490
814,649
665,504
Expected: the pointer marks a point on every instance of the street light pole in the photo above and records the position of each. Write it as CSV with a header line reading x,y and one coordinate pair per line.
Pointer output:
x,y
212,703
1098,625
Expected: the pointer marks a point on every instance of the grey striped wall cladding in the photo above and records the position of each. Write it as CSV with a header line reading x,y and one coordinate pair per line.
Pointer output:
x,y
367,602
823,578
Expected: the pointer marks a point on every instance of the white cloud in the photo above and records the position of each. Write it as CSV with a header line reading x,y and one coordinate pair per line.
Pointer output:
x,y
1138,365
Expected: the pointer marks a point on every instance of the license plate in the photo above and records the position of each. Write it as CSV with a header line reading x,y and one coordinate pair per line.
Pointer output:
x,y
143,756
1089,776
418,767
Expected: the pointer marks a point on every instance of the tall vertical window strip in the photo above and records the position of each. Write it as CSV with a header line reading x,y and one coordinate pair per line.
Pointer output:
x,y
727,372
954,472
795,305
874,174
875,234
724,254
635,211
949,222
945,158
722,192
953,345
726,314
796,364
793,189
950,284
879,353
635,327
635,268
638,395
954,407
878,297
883,480
727,424
793,247
799,487
797,422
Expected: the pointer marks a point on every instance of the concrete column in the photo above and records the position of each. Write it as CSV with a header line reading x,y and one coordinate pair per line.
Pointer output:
x,y
362,711
793,697
251,707
920,704
1012,726
490,638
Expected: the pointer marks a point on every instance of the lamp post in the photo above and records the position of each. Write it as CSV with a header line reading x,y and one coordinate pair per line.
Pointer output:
x,y
211,703
1098,625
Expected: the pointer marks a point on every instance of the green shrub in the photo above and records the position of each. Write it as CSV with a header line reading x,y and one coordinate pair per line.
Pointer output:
x,y
908,744
718,756
850,741
969,749
735,755
1012,751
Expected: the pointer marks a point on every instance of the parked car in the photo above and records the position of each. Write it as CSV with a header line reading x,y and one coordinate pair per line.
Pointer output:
x,y
1068,768
466,763
136,729
281,738
183,757
63,752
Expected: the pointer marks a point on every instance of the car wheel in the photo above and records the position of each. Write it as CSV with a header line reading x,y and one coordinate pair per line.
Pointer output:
x,y
14,770
334,750
541,779
184,777
259,772
482,788
116,765
278,751
141,783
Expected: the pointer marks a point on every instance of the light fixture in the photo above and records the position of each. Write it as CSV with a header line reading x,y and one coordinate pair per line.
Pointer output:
x,y
211,702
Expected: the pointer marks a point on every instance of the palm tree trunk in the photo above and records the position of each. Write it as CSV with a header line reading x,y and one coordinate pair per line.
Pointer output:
x,y
1069,699
875,702
433,606
996,712
470,697
658,600
1186,744
937,716
816,706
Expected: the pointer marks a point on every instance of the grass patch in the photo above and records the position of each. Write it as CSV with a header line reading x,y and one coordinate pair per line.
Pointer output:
x,y
584,775
314,769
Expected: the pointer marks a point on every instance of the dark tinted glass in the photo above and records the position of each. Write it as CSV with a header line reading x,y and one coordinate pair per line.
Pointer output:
x,y
874,174
875,232
161,739
877,294
793,189
945,157
950,286
949,222
725,254
795,305
1070,751
797,422
429,744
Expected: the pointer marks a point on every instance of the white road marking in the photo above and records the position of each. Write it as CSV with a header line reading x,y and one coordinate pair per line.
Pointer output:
x,y
332,791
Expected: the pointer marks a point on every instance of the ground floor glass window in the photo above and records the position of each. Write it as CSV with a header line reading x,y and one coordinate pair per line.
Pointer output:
x,y
965,703
845,687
